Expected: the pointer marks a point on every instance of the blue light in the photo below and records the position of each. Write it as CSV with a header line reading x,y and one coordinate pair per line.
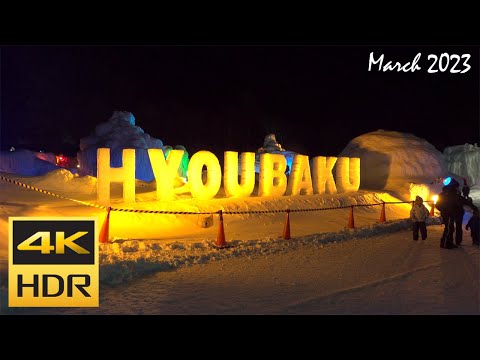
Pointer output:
x,y
447,181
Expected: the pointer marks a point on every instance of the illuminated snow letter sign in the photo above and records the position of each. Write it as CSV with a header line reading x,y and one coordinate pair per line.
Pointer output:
x,y
347,174
106,175
165,171
322,175
230,174
214,175
300,179
306,178
272,178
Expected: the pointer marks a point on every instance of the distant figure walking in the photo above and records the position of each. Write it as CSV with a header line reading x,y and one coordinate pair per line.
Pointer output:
x,y
419,215
474,226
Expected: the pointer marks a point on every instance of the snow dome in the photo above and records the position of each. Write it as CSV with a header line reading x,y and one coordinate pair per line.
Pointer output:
x,y
393,160
119,132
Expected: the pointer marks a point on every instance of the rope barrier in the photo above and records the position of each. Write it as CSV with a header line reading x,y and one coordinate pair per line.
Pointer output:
x,y
30,187
220,243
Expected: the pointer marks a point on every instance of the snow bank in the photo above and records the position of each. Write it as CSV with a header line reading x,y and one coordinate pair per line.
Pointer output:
x,y
24,162
122,261
119,132
62,181
464,161
393,160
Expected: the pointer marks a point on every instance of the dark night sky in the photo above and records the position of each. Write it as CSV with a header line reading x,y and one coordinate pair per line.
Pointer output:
x,y
314,98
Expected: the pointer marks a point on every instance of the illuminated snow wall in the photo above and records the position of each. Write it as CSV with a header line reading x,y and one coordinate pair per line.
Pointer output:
x,y
464,160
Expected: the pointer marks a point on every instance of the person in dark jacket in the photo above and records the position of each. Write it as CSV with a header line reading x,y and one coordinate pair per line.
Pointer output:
x,y
459,218
474,226
450,207
451,204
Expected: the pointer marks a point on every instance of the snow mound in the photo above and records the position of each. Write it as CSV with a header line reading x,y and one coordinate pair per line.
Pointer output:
x,y
63,181
118,133
24,162
464,161
392,160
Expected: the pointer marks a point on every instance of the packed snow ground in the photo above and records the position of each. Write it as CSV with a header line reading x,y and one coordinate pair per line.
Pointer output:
x,y
149,243
383,274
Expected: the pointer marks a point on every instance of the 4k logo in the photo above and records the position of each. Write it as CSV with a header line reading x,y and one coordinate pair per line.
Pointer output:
x,y
45,247
53,262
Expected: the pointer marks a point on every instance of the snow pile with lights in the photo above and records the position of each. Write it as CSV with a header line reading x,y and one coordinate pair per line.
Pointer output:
x,y
464,161
271,146
119,132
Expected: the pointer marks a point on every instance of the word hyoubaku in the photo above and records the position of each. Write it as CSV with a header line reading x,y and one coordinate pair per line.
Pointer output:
x,y
452,63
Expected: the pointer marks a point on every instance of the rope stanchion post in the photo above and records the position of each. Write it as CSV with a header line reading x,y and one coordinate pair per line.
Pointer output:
x,y
286,227
104,232
351,221
221,243
382,213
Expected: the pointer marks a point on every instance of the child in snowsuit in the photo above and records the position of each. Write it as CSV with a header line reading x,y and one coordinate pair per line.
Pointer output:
x,y
474,226
418,215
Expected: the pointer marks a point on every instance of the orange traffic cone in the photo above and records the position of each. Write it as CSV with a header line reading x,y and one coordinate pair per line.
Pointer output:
x,y
104,233
432,210
382,213
221,232
351,221
286,227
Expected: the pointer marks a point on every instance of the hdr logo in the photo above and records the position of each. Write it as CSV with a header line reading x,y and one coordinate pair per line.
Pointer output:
x,y
53,262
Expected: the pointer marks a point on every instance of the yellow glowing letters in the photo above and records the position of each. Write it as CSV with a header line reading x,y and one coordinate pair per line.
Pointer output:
x,y
214,175
230,174
165,171
107,175
272,178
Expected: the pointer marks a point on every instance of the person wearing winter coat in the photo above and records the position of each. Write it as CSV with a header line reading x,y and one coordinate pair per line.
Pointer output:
x,y
419,214
450,209
474,226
